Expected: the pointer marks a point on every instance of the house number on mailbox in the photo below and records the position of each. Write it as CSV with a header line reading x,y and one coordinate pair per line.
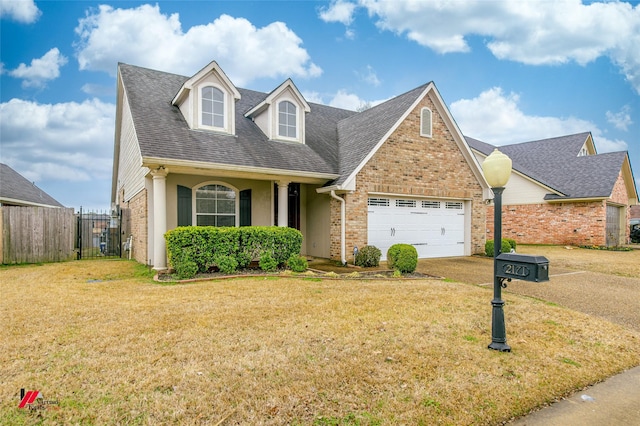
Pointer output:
x,y
518,270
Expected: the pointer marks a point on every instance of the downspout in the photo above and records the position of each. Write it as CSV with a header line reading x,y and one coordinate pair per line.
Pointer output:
x,y
343,215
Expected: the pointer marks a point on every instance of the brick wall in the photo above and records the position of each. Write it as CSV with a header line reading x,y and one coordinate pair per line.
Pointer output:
x,y
137,225
558,223
578,224
412,165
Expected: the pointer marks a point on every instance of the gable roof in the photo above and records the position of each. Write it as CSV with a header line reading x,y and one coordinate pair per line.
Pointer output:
x,y
337,142
17,190
361,133
163,134
555,163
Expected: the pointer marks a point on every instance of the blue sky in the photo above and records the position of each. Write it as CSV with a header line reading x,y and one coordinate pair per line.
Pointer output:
x,y
509,71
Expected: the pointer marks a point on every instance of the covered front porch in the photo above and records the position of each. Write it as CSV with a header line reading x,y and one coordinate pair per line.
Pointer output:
x,y
179,196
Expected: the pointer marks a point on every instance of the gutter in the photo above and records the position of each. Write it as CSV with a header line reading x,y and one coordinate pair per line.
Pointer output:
x,y
343,215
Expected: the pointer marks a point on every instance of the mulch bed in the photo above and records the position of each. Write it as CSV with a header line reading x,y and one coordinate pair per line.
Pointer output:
x,y
355,273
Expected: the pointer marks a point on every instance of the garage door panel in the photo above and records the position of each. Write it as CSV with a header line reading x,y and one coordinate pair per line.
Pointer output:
x,y
434,227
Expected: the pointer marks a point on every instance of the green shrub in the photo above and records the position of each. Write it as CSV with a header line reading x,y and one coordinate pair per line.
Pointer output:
x,y
297,263
207,245
267,262
226,264
368,256
511,242
402,257
186,269
489,247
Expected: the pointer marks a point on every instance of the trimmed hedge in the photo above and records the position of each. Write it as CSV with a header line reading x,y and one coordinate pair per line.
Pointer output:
x,y
402,257
489,246
229,248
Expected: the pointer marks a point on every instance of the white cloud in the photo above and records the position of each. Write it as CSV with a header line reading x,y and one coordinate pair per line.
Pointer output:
x,y
58,142
144,36
341,99
369,76
41,70
24,11
338,11
621,120
496,118
530,32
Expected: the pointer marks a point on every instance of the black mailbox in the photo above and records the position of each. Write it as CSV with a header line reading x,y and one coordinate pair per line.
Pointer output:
x,y
523,267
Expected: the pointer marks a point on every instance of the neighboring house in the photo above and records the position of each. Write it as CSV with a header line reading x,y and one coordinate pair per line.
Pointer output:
x,y
15,190
562,192
200,151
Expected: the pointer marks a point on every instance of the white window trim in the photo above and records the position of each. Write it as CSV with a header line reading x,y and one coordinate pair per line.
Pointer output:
x,y
422,111
297,120
225,118
194,205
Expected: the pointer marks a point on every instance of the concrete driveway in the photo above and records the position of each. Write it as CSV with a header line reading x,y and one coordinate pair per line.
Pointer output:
x,y
612,297
615,401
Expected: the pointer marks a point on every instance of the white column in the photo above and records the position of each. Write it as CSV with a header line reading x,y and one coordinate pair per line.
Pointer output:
x,y
159,218
283,203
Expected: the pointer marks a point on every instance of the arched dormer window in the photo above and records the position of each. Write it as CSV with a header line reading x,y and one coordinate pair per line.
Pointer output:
x,y
287,120
215,205
212,103
426,124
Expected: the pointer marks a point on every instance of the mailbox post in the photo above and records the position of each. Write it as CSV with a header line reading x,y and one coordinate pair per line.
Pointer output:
x,y
497,170
506,266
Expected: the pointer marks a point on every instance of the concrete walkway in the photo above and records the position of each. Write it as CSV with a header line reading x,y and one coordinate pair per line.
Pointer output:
x,y
616,401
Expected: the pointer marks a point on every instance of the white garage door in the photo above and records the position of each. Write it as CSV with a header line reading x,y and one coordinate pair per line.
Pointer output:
x,y
434,227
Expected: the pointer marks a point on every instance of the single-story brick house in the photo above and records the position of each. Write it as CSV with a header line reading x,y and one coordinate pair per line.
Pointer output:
x,y
199,151
561,191
16,190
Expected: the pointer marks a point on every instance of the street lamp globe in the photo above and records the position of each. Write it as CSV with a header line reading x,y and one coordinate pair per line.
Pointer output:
x,y
497,169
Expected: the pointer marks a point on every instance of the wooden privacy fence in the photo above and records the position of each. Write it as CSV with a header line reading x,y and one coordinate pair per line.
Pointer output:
x,y
36,234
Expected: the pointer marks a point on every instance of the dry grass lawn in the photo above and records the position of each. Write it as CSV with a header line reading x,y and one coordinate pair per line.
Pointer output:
x,y
114,347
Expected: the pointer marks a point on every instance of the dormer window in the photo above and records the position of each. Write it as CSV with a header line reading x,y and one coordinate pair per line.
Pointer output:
x,y
212,103
207,100
287,120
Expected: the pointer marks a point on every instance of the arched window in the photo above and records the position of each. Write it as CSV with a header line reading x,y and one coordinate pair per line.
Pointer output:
x,y
215,205
287,123
212,107
425,122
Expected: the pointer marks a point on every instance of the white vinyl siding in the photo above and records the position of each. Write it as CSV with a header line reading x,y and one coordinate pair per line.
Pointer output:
x,y
131,176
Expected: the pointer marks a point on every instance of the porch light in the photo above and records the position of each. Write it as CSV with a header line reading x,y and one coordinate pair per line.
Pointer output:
x,y
497,170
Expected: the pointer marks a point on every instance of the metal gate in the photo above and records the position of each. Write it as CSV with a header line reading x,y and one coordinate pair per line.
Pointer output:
x,y
98,234
613,226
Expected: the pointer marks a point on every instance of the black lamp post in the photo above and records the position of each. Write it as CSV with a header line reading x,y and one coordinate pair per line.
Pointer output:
x,y
497,170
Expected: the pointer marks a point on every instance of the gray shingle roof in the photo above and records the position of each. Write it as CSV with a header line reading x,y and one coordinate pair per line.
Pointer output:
x,y
163,133
14,186
555,163
360,133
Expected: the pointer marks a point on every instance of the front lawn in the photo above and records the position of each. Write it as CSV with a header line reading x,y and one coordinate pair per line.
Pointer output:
x,y
111,346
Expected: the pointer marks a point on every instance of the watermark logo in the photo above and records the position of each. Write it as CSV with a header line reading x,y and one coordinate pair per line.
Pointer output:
x,y
34,400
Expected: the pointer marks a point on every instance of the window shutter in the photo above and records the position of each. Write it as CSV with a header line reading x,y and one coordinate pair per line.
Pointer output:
x,y
184,206
245,207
